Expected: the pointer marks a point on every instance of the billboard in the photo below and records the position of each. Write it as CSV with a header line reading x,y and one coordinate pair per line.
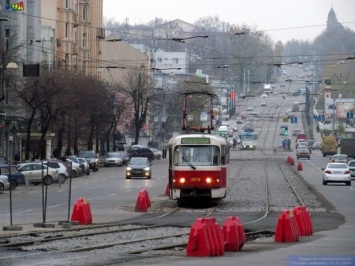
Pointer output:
x,y
342,107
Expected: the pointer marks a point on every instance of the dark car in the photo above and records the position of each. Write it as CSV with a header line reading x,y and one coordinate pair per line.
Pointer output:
x,y
139,167
15,178
124,156
143,152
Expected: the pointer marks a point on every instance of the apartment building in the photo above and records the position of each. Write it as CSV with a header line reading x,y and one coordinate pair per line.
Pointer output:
x,y
72,33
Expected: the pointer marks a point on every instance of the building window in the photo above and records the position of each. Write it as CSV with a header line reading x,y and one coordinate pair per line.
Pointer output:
x,y
85,13
67,4
67,30
176,61
160,60
84,40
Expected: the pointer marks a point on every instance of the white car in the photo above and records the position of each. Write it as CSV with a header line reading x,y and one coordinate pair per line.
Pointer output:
x,y
340,158
35,172
336,173
250,108
264,95
76,166
263,104
4,183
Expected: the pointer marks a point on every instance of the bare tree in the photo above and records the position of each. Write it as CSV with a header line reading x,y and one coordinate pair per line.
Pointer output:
x,y
137,85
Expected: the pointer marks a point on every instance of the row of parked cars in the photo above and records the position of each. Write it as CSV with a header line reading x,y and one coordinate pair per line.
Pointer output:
x,y
58,170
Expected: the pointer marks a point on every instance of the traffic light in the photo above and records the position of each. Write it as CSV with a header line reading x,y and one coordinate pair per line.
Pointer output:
x,y
286,131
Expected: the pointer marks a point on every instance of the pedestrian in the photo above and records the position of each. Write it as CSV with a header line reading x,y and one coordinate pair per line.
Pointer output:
x,y
284,144
17,158
234,143
288,143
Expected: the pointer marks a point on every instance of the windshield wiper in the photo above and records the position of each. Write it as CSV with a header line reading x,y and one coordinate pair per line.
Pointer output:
x,y
190,164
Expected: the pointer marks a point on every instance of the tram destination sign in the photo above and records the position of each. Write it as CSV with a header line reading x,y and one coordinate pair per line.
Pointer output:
x,y
195,141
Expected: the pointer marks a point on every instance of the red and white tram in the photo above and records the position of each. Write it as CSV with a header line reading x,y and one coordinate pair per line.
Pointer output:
x,y
198,166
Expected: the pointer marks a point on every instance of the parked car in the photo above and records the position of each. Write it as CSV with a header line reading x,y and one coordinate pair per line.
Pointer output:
x,y
77,167
143,152
263,104
317,146
91,158
340,158
124,156
336,173
250,108
139,167
264,95
15,177
351,165
303,152
4,183
113,159
157,153
35,172
86,166
63,169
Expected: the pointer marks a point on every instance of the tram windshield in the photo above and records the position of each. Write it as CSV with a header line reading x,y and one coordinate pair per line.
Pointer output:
x,y
196,155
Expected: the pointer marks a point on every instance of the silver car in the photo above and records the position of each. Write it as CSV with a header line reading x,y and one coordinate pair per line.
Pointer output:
x,y
113,159
336,173
86,166
76,166
35,172
4,183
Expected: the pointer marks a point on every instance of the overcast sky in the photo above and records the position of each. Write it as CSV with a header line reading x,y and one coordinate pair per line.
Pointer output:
x,y
281,19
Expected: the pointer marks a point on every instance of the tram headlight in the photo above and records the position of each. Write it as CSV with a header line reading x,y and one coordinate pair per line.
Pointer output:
x,y
182,180
208,180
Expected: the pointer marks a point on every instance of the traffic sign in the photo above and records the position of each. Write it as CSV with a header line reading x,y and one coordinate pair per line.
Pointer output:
x,y
294,120
349,115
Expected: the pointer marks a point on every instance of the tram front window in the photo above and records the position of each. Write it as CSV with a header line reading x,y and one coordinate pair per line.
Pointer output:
x,y
196,155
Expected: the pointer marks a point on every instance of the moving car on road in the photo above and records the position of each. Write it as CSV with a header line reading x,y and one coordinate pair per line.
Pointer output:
x,y
340,158
317,146
336,173
157,153
303,152
139,167
351,165
113,159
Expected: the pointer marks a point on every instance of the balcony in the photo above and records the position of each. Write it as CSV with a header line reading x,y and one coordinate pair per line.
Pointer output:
x,y
4,16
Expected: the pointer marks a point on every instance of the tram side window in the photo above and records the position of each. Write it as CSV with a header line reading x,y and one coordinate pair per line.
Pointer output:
x,y
216,155
224,155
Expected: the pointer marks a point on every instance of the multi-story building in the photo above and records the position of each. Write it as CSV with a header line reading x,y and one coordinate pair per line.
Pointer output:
x,y
72,33
51,34
20,27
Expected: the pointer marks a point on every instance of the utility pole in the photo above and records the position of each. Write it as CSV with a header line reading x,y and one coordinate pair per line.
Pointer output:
x,y
244,81
248,79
